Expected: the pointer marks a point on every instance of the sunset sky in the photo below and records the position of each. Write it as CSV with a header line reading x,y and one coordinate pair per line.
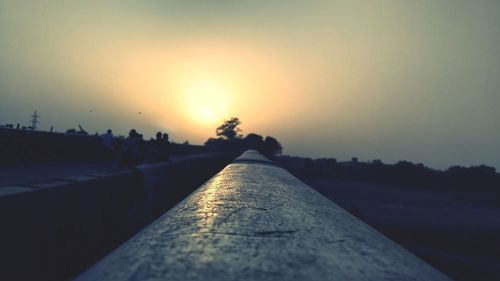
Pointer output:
x,y
391,80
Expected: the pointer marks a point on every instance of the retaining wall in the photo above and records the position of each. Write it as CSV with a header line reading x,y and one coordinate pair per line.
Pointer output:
x,y
54,230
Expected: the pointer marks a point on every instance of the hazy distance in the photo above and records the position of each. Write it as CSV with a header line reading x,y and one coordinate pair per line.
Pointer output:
x,y
390,80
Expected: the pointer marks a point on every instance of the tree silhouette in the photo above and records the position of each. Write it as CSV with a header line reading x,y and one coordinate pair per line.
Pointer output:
x,y
229,138
254,141
229,129
272,146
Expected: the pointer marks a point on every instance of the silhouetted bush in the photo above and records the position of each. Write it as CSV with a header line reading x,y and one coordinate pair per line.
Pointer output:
x,y
230,139
254,141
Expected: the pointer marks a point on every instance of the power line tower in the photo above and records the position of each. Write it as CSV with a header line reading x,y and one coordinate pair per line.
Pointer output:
x,y
34,120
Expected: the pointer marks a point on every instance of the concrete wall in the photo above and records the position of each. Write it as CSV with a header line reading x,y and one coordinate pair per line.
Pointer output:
x,y
54,230
255,221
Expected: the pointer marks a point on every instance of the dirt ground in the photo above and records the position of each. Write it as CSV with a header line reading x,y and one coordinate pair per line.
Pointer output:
x,y
457,232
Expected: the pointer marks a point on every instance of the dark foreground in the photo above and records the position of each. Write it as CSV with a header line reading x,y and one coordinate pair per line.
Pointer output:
x,y
54,229
255,221
457,232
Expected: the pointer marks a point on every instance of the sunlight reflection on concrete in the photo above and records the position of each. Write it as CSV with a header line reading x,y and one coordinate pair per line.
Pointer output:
x,y
255,221
208,204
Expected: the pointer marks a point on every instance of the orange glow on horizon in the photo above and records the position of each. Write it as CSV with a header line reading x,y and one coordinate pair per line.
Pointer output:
x,y
189,89
192,89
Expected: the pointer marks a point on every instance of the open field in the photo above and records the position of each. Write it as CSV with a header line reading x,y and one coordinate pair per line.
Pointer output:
x,y
457,232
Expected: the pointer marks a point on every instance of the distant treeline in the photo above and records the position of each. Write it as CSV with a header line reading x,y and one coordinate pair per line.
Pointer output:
x,y
403,173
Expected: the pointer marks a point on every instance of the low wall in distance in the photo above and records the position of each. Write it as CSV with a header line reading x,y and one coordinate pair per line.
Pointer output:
x,y
54,230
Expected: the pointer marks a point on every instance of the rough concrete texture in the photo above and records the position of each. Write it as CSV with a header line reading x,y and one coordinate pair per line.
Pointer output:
x,y
257,222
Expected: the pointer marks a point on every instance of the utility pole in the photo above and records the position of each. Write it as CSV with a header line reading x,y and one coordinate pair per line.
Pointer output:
x,y
34,120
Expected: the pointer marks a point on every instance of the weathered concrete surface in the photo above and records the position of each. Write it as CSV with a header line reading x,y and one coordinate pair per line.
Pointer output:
x,y
253,156
255,221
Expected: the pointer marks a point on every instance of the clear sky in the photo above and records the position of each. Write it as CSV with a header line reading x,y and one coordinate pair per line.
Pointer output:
x,y
391,80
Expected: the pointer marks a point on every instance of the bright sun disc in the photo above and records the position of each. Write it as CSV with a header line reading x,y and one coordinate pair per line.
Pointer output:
x,y
207,101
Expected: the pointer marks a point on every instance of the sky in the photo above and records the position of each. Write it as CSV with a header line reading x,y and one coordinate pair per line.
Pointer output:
x,y
390,80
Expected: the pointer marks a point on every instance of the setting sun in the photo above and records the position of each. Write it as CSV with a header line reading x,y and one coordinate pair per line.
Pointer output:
x,y
207,101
